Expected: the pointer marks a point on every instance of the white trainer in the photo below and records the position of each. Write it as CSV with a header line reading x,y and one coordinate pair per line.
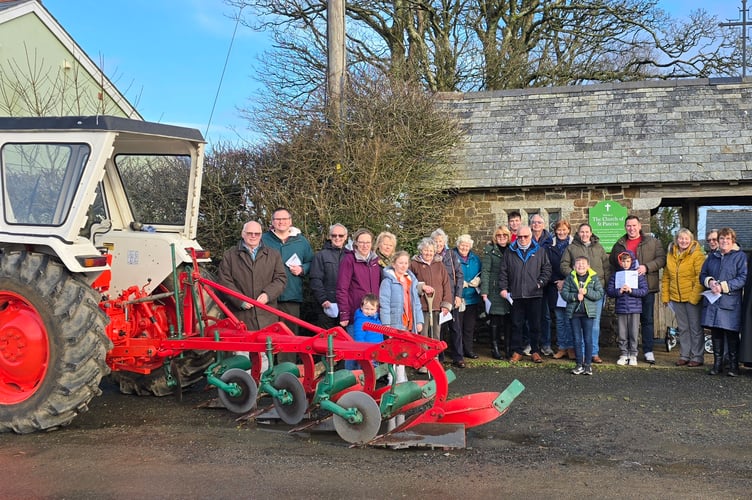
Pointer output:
x,y
623,360
650,358
579,370
527,350
632,361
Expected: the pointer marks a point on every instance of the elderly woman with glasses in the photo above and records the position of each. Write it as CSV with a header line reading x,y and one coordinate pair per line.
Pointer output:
x,y
496,307
724,274
323,275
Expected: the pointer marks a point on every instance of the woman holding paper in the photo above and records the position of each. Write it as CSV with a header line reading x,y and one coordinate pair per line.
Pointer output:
x,y
724,274
470,307
682,291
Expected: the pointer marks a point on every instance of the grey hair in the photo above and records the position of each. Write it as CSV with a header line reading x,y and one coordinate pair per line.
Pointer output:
x,y
337,224
440,232
464,238
425,242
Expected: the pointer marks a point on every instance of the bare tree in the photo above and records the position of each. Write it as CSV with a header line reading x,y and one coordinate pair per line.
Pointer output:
x,y
450,45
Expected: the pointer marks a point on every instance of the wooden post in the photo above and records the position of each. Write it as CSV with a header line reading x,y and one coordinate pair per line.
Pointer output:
x,y
336,68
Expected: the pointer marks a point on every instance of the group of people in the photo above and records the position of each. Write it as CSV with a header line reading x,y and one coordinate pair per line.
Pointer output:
x,y
525,280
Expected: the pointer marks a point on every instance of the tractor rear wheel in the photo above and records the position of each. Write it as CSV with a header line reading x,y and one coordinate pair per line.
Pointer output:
x,y
52,343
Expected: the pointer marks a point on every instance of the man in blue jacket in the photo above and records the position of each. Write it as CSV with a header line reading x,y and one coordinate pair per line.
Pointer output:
x,y
525,270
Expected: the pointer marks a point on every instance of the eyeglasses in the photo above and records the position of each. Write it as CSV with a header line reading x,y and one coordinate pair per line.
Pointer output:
x,y
712,239
502,235
253,235
521,236
281,218
537,222
337,235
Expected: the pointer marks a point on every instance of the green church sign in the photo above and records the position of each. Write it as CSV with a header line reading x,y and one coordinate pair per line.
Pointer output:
x,y
607,220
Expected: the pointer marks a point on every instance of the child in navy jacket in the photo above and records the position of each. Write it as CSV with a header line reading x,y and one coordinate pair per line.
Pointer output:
x,y
628,306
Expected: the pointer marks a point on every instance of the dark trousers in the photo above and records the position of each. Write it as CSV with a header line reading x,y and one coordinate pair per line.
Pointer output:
x,y
526,310
463,342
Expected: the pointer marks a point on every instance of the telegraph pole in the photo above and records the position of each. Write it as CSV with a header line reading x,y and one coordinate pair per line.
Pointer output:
x,y
336,72
743,23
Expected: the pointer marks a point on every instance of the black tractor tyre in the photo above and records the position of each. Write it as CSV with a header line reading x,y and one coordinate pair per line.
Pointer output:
x,y
192,364
53,344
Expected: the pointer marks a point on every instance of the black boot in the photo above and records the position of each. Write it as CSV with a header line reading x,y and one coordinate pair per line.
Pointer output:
x,y
507,327
495,354
717,355
733,353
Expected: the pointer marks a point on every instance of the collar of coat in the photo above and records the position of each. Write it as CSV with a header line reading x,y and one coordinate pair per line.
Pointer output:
x,y
530,250
590,275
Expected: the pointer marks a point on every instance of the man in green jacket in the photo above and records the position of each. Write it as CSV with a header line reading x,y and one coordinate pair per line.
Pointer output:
x,y
296,255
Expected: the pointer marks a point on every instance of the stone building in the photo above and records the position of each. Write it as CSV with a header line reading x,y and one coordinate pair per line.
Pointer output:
x,y
559,151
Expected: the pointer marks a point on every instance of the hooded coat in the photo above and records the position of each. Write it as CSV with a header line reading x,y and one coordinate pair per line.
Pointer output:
x,y
680,282
628,303
392,300
730,270
434,275
595,253
357,277
594,293
650,254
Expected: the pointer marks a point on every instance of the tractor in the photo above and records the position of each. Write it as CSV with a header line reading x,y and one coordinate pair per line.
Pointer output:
x,y
100,272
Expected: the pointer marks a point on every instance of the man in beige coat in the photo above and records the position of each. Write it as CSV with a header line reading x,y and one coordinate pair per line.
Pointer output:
x,y
255,271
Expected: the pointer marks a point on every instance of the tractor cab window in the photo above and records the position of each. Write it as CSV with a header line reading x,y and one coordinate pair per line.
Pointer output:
x,y
40,181
156,186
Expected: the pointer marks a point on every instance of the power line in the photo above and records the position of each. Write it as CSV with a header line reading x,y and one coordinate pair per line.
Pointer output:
x,y
224,69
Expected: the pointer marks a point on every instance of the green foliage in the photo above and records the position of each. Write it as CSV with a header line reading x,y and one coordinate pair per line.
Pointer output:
x,y
665,222
383,164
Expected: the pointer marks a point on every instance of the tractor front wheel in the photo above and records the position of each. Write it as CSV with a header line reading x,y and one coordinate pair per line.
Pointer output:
x,y
52,343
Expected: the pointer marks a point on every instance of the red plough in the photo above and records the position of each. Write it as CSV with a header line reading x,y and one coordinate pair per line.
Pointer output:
x,y
418,411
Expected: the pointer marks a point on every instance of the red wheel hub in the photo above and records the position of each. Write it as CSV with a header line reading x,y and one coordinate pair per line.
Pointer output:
x,y
24,349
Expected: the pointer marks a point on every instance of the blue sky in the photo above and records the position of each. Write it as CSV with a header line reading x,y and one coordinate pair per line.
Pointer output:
x,y
167,56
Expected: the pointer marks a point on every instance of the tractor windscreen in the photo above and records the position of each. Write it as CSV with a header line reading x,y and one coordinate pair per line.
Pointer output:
x,y
40,181
156,186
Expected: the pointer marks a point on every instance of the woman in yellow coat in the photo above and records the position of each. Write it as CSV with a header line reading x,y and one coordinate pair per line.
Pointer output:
x,y
681,290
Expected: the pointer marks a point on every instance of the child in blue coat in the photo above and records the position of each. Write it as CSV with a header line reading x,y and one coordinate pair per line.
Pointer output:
x,y
367,313
628,306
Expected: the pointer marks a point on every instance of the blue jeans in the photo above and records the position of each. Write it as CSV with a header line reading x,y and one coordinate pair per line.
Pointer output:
x,y
582,328
597,326
564,337
545,337
647,326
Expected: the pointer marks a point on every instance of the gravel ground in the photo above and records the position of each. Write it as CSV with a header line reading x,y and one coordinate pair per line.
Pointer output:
x,y
635,432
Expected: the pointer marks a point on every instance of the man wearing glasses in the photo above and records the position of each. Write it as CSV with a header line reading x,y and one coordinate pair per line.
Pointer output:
x,y
359,274
255,271
525,270
324,271
296,254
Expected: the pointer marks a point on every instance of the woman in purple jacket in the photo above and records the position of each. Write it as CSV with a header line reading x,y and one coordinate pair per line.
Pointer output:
x,y
359,274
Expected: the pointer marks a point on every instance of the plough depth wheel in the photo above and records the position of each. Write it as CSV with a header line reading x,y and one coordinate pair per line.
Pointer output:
x,y
291,412
245,401
365,430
